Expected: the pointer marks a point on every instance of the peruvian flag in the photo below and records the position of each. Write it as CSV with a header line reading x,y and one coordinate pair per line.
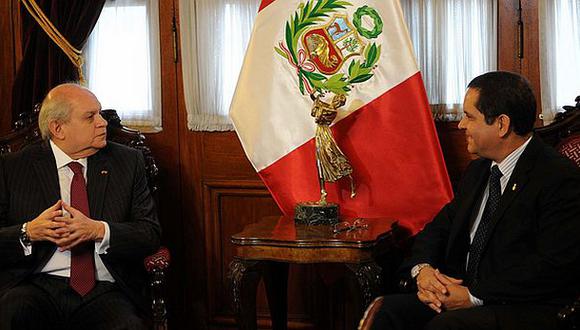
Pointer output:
x,y
304,48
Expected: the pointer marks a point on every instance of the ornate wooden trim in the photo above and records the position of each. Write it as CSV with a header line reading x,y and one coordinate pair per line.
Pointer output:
x,y
565,124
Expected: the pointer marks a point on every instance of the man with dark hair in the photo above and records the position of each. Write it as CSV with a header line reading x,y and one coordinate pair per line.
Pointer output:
x,y
504,253
76,221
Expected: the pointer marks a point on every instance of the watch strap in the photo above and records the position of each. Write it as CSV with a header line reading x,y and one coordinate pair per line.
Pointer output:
x,y
417,269
24,238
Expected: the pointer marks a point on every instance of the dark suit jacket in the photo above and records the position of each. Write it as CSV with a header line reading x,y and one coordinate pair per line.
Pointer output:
x,y
118,194
533,252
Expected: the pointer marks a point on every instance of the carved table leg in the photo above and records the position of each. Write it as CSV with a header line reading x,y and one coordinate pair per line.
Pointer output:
x,y
244,277
276,281
369,279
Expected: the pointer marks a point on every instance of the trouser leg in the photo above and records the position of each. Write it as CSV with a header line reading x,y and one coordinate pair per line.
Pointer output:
x,y
107,308
477,318
28,307
497,317
402,312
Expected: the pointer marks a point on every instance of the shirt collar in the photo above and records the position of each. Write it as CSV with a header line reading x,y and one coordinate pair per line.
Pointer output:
x,y
62,159
509,163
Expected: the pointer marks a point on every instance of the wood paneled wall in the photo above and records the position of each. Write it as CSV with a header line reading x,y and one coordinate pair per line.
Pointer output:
x,y
209,190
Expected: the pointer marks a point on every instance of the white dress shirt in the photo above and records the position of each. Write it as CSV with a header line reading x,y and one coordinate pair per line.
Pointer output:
x,y
59,263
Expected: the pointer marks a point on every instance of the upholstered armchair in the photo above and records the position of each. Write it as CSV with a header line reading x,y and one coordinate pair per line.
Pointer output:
x,y
26,132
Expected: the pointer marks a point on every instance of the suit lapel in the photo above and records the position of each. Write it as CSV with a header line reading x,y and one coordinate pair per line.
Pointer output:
x,y
47,174
97,180
516,183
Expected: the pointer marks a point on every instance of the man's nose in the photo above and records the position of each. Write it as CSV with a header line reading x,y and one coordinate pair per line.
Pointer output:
x,y
461,124
101,121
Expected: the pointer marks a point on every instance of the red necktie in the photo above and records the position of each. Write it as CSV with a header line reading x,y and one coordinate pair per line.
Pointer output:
x,y
82,263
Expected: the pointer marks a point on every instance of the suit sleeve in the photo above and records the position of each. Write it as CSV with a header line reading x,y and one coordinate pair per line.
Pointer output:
x,y
554,263
430,244
138,236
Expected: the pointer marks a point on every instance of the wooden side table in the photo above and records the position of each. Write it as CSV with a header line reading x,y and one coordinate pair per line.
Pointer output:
x,y
265,249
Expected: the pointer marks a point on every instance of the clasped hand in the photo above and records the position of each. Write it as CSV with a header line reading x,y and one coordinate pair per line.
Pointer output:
x,y
64,231
441,292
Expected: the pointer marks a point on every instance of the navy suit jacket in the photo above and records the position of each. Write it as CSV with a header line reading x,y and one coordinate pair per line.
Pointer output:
x,y
118,194
533,252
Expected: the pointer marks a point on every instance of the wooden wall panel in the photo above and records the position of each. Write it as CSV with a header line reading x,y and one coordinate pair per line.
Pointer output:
x,y
507,33
530,67
508,43
229,207
224,158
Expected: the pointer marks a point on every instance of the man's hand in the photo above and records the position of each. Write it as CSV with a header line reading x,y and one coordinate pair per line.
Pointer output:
x,y
430,288
430,299
77,228
43,227
457,296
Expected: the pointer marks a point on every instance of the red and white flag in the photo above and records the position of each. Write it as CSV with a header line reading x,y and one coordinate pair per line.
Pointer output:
x,y
360,49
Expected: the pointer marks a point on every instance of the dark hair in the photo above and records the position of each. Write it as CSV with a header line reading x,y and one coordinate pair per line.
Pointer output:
x,y
506,93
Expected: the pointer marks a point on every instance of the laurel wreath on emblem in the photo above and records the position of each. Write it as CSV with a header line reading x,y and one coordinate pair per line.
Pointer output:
x,y
378,23
314,12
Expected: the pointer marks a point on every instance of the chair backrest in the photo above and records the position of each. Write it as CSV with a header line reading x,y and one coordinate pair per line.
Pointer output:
x,y
26,132
564,133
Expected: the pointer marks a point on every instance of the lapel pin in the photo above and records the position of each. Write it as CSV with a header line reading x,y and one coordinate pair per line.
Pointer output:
x,y
514,187
104,172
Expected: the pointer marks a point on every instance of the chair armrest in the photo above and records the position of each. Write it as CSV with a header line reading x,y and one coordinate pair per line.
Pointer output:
x,y
156,265
568,316
158,261
369,316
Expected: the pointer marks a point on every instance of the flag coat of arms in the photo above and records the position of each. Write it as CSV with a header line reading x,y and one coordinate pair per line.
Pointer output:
x,y
360,49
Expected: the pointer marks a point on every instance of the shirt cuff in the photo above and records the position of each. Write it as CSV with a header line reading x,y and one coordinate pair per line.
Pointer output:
x,y
27,248
474,300
102,246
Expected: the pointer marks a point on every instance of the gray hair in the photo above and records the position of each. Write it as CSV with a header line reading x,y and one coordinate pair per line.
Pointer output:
x,y
55,107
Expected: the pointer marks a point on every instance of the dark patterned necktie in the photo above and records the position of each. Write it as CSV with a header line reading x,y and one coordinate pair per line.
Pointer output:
x,y
485,223
82,263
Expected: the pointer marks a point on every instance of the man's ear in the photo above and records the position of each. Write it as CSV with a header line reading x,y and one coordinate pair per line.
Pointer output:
x,y
56,130
504,125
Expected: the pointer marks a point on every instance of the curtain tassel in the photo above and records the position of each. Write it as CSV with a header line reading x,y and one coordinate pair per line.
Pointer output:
x,y
73,54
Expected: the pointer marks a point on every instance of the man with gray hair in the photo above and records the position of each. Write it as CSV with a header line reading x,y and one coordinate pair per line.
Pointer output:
x,y
76,221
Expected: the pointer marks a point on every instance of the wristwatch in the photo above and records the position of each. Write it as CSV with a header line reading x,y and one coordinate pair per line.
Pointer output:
x,y
24,238
417,269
